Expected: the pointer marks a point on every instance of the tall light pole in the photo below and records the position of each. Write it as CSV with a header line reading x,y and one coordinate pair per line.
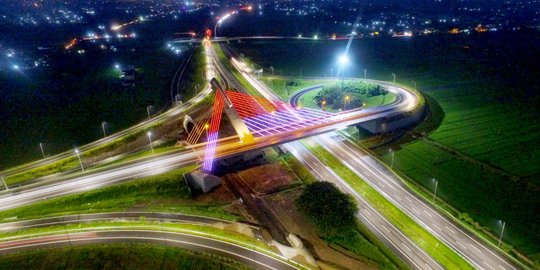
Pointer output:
x,y
394,74
365,73
206,127
346,101
414,84
103,127
80,160
343,61
323,104
434,189
502,232
42,152
392,159
149,134
4,182
148,110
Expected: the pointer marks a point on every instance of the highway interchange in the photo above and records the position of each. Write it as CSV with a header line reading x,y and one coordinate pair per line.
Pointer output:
x,y
479,254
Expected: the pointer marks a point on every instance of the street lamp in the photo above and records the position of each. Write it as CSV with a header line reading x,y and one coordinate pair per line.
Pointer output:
x,y
42,152
323,104
343,61
435,189
394,74
149,134
103,127
502,232
347,98
365,73
392,160
206,127
148,110
80,160
4,182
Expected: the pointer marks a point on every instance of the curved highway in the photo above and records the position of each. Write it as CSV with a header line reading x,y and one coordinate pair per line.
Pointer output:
x,y
250,257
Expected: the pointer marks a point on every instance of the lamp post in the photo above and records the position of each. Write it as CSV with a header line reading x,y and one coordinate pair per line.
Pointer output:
x,y
343,61
80,160
392,159
502,232
394,74
206,127
323,104
365,73
148,110
347,98
42,152
103,127
149,134
434,189
4,182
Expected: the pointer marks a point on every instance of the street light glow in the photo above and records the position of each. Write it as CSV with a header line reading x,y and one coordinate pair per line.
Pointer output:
x,y
343,59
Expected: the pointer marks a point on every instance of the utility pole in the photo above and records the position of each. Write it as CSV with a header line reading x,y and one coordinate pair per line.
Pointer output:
x,y
42,152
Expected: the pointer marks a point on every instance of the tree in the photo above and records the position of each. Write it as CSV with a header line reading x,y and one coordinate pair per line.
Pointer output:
x,y
331,211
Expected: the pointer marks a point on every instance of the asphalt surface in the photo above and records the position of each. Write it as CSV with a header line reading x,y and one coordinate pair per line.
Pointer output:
x,y
250,257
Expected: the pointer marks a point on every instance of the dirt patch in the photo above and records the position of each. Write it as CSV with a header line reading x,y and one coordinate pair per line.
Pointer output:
x,y
283,207
266,178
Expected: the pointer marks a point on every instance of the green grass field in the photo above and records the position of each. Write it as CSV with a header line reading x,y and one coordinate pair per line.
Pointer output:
x,y
118,256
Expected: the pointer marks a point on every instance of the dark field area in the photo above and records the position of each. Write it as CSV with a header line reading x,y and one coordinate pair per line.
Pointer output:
x,y
481,142
65,104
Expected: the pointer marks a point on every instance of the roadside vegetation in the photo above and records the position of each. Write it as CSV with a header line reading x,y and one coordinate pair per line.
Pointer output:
x,y
165,193
118,256
333,214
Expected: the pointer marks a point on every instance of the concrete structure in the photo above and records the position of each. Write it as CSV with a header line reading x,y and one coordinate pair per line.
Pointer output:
x,y
197,180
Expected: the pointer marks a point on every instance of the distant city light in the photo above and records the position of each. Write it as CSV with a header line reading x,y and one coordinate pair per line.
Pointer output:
x,y
16,67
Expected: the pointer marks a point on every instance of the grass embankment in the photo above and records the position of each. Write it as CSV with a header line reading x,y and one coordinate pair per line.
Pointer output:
x,y
442,253
166,192
118,256
72,162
